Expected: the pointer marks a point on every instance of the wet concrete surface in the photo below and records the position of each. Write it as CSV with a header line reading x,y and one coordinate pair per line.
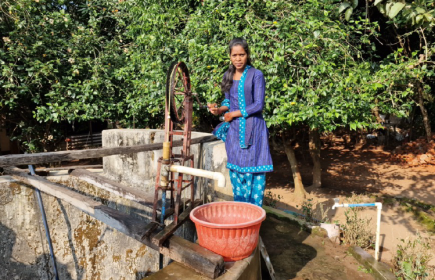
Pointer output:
x,y
296,254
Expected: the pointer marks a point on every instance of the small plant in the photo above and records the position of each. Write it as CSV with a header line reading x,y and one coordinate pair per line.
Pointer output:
x,y
323,214
314,215
307,210
357,230
271,199
412,258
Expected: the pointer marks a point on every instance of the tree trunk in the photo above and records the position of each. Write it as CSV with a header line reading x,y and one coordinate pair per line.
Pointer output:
x,y
315,155
299,187
426,120
375,112
411,123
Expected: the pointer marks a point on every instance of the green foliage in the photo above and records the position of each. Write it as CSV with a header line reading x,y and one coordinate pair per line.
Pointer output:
x,y
314,65
405,23
307,210
412,258
74,61
419,13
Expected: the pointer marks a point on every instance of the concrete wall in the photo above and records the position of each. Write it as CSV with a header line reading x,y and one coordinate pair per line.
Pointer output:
x,y
84,247
139,170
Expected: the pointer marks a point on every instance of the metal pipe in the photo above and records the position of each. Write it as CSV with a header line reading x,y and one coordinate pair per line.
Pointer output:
x,y
217,176
162,215
44,220
164,177
378,205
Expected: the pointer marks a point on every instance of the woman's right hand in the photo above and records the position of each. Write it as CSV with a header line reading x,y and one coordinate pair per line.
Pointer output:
x,y
213,109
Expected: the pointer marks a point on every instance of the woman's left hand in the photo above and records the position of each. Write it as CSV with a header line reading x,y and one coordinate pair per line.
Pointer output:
x,y
228,117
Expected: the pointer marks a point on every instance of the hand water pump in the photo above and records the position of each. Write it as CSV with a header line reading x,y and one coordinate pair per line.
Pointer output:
x,y
178,109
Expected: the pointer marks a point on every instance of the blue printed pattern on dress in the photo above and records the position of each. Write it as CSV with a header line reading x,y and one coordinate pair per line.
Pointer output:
x,y
226,103
242,106
248,187
221,132
253,169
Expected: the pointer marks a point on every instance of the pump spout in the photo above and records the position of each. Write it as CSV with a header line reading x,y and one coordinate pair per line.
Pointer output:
x,y
336,200
217,176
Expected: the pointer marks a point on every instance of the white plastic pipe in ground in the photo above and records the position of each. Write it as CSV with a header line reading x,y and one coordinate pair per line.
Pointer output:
x,y
219,177
378,220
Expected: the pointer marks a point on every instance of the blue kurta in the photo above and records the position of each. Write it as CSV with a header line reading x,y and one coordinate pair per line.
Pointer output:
x,y
256,158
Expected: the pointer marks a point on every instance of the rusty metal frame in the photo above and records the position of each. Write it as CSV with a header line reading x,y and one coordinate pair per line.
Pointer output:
x,y
176,183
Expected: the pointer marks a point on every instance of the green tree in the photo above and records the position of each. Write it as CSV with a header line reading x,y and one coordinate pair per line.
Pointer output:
x,y
407,30
72,61
318,69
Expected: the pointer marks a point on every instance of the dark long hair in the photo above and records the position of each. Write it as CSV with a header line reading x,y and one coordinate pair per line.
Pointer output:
x,y
227,81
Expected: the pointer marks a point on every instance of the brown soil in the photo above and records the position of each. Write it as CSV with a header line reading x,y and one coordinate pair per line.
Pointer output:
x,y
367,171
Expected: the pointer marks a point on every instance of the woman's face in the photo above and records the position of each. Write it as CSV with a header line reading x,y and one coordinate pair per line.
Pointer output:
x,y
239,58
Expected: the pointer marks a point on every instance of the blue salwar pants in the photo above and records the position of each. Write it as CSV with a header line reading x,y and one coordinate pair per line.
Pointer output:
x,y
248,187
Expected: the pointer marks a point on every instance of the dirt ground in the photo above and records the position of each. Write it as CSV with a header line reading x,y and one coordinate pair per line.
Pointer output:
x,y
368,172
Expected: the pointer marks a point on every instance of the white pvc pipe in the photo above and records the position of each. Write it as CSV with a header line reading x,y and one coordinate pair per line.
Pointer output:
x,y
378,220
200,173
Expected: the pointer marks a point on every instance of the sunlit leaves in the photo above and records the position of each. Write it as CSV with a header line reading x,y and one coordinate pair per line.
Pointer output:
x,y
394,9
414,12
103,59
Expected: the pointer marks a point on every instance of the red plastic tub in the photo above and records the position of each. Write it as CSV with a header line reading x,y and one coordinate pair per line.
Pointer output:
x,y
228,228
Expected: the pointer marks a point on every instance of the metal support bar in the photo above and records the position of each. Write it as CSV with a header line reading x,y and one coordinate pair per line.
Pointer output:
x,y
44,220
160,237
266,259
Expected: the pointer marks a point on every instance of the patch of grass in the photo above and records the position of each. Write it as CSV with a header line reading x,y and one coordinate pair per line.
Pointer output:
x,y
426,220
388,200
365,270
423,212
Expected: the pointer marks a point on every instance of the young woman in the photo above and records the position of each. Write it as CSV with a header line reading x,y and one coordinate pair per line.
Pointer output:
x,y
244,131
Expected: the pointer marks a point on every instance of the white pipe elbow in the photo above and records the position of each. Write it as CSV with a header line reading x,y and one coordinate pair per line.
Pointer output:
x,y
220,179
217,176
337,205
